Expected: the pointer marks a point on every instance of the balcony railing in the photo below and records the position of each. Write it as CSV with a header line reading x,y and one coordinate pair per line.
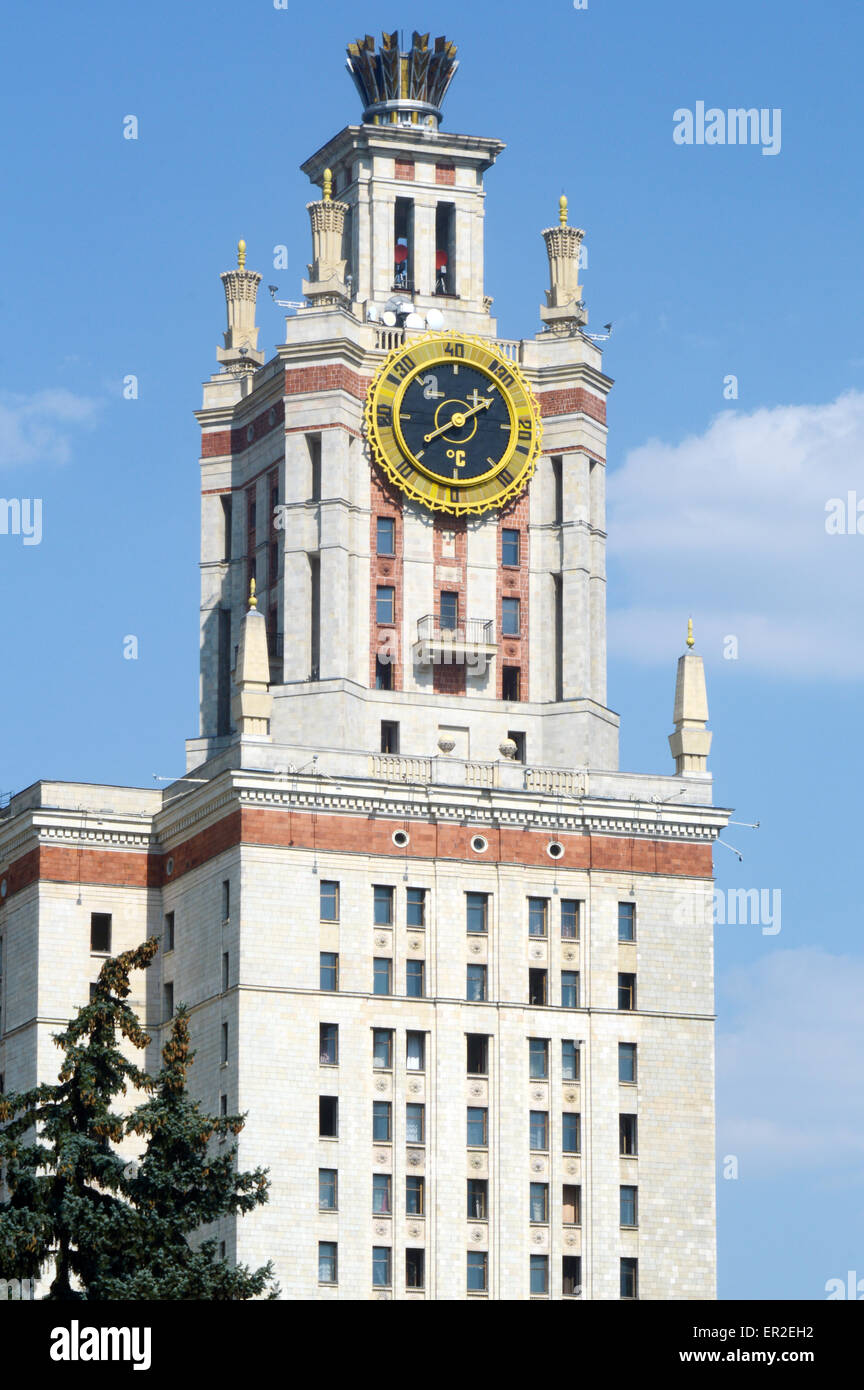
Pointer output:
x,y
435,627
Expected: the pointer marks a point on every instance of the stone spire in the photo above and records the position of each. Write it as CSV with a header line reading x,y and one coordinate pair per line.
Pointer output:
x,y
564,309
326,284
240,353
252,702
691,741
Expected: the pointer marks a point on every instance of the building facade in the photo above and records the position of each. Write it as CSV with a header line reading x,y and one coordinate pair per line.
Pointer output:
x,y
452,962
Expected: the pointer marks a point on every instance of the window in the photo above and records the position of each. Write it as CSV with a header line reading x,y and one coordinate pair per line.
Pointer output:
x,y
538,916
629,1206
509,547
223,1106
626,991
570,989
571,1205
328,1044
385,537
415,1195
415,978
569,1060
381,1187
383,975
224,1043
226,899
382,1048
510,683
477,1048
383,905
626,1061
167,1002
558,487
629,1278
519,739
100,933
415,1269
226,970
382,1124
389,727
476,983
570,919
570,1133
537,987
539,1201
510,617
415,907
328,1117
538,1058
327,1263
329,900
384,604
478,1117
571,1270
445,241
327,1189
384,681
381,1255
478,1189
539,1130
226,526
477,912
329,970
415,1046
449,615
415,1123
626,921
478,1275
169,931
628,1135
539,1274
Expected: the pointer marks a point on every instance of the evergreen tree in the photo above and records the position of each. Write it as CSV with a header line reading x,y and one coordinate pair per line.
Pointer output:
x,y
182,1185
112,1228
66,1184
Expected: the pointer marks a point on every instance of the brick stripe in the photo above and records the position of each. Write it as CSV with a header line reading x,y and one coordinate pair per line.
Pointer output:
x,y
572,401
355,835
331,376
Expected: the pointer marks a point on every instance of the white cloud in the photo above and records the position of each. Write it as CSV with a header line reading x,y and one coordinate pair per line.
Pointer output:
x,y
788,1063
730,525
37,428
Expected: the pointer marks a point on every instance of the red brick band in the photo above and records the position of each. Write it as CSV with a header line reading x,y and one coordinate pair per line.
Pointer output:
x,y
355,835
572,401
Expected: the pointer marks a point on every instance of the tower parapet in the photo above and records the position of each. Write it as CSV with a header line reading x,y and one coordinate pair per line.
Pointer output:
x,y
564,308
240,353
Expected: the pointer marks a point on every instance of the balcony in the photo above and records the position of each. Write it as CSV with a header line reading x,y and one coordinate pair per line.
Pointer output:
x,y
470,643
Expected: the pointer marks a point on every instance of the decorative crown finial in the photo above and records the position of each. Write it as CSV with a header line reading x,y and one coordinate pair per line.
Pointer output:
x,y
253,602
691,640
241,254
327,186
562,210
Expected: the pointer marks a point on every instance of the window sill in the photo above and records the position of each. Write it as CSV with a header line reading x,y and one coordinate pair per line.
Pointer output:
x,y
330,1211
629,1228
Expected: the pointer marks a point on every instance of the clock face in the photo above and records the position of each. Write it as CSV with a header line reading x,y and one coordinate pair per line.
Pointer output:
x,y
453,423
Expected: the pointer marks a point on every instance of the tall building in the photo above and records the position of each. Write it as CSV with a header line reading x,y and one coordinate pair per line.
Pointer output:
x,y
454,963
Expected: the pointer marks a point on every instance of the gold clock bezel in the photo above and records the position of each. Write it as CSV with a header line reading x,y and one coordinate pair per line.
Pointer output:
x,y
486,492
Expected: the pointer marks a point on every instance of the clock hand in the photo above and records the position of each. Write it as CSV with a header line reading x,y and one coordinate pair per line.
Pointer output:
x,y
458,419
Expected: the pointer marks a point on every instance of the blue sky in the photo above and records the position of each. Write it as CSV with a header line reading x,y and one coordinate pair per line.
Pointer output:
x,y
712,261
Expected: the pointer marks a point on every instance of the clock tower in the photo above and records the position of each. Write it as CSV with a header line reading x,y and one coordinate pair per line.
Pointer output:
x,y
420,502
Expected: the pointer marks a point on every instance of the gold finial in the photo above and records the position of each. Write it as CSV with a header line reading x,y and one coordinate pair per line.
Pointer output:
x,y
691,640
327,187
562,209
241,254
253,602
